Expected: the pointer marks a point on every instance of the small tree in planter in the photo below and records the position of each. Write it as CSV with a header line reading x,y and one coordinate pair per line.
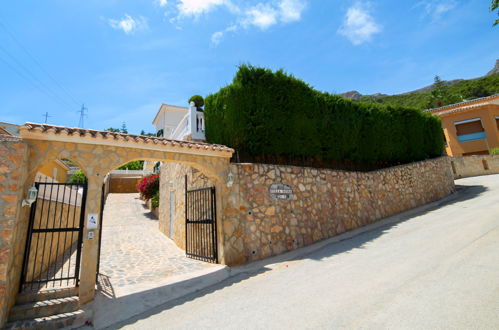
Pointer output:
x,y
198,102
148,186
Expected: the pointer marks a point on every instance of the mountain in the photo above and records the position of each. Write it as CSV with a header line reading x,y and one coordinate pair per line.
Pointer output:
x,y
463,89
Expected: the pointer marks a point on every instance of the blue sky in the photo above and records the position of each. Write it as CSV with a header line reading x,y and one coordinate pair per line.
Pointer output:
x,y
123,58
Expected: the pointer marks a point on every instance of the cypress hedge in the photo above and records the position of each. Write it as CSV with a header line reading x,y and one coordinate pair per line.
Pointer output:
x,y
274,117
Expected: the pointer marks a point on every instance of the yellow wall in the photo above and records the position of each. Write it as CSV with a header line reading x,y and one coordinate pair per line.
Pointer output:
x,y
487,113
48,170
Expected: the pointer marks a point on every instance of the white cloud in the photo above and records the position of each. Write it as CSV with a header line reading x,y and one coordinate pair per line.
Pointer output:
x,y
261,15
128,24
161,3
291,10
359,26
217,37
194,8
435,9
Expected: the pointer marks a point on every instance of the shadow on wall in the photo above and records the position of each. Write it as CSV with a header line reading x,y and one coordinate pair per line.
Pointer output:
x,y
259,267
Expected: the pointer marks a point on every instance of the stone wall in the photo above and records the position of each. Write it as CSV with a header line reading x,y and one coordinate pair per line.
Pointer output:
x,y
13,154
324,203
467,166
172,184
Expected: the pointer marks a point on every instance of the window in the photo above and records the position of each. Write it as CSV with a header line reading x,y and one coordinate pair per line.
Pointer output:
x,y
470,130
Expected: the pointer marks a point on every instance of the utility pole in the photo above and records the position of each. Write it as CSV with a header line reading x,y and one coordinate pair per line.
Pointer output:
x,y
82,115
46,115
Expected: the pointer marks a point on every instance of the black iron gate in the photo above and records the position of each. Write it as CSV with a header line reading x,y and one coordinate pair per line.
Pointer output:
x,y
55,234
201,224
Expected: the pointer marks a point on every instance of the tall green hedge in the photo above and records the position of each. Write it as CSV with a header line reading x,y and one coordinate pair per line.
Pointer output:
x,y
272,114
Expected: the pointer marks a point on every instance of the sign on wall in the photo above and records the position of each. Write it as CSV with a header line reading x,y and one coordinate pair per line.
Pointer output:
x,y
92,221
280,192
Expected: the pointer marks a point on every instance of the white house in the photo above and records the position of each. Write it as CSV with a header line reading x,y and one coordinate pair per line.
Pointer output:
x,y
180,123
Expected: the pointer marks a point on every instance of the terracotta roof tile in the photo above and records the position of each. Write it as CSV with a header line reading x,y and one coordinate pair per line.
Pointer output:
x,y
130,138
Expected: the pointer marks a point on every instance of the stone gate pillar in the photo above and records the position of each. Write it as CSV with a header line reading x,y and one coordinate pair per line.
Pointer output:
x,y
90,246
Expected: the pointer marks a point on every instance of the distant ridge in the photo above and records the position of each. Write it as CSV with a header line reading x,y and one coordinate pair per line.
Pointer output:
x,y
356,96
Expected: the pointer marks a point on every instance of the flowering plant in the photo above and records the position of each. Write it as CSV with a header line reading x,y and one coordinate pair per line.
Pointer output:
x,y
148,186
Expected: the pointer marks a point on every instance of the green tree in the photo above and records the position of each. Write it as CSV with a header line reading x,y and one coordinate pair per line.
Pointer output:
x,y
78,177
198,101
136,165
114,130
494,5
441,95
123,128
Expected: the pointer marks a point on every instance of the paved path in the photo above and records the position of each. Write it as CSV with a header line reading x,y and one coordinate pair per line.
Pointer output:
x,y
133,249
437,269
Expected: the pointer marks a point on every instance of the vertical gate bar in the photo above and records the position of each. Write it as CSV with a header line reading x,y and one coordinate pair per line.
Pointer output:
x,y
53,233
201,218
186,216
102,201
38,235
28,239
214,224
45,234
66,233
72,232
80,233
59,235
198,231
198,225
206,238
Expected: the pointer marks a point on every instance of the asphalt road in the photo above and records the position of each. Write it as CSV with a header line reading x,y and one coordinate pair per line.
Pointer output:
x,y
437,269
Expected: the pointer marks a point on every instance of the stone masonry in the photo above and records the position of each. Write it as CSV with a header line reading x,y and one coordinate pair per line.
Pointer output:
x,y
13,154
172,182
324,203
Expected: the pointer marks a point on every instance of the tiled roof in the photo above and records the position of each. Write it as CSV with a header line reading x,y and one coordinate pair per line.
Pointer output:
x,y
128,138
486,98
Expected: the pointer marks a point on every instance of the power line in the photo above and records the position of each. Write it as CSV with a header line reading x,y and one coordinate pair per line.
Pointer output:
x,y
11,34
33,77
21,74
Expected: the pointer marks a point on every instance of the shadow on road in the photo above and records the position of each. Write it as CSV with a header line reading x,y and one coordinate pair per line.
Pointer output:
x,y
462,193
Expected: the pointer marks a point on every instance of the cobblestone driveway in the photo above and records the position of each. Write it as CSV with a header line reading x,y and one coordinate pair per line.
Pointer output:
x,y
134,250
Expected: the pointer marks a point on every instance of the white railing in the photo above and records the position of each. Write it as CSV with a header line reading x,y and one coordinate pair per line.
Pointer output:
x,y
191,125
182,129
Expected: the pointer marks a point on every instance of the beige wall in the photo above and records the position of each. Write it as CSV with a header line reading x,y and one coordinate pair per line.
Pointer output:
x,y
51,215
13,155
172,181
325,203
121,185
48,170
463,167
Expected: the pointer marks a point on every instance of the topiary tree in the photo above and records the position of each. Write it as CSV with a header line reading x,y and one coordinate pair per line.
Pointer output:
x,y
198,101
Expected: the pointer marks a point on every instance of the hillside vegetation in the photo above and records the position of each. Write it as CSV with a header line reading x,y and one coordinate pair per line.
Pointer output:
x,y
462,90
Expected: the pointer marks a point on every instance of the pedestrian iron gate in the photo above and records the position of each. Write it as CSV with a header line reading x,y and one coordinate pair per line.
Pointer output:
x,y
201,224
55,233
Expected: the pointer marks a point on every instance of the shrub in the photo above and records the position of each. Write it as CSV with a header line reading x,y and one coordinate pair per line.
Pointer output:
x,y
198,101
78,177
155,201
494,151
136,165
273,116
148,186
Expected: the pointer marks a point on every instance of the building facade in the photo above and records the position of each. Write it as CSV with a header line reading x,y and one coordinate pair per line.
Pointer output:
x,y
472,127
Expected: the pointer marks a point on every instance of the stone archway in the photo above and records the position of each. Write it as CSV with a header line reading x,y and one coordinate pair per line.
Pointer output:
x,y
99,152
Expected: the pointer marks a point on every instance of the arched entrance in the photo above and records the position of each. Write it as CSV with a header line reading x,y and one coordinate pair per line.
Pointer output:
x,y
99,152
